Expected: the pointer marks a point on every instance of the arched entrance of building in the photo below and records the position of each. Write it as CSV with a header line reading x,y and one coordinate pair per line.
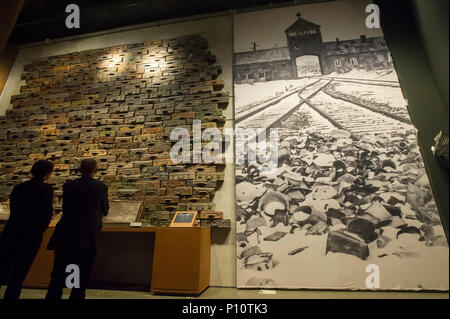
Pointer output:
x,y
308,65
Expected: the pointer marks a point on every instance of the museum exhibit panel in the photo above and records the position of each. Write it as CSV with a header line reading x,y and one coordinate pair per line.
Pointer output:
x,y
350,189
118,105
343,188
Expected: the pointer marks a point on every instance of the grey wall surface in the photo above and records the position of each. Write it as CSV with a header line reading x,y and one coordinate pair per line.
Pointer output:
x,y
218,31
432,19
420,86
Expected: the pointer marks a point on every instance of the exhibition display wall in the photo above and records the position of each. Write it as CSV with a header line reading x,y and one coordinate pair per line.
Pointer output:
x,y
119,106
348,194
210,38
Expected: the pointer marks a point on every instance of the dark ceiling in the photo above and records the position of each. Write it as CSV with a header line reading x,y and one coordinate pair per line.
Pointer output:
x,y
42,19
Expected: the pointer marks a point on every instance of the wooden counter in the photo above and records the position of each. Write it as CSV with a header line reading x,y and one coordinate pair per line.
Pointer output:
x,y
160,259
182,260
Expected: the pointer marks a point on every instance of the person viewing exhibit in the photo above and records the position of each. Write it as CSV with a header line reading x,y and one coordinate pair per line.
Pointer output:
x,y
76,236
31,205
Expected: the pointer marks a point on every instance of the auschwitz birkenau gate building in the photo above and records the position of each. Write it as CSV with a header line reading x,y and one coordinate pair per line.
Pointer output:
x,y
304,39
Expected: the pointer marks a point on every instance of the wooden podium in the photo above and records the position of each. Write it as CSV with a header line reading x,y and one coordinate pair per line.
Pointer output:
x,y
169,260
182,260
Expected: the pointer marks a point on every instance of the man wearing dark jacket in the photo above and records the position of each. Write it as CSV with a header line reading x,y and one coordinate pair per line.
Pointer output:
x,y
31,206
76,236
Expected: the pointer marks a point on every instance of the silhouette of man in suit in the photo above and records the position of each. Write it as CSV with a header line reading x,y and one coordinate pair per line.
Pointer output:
x,y
76,236
31,206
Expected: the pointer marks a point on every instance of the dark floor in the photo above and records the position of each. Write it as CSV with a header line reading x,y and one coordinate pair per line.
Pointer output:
x,y
233,293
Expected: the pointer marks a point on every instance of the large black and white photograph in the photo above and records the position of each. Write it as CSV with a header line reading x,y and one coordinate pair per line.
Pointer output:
x,y
350,192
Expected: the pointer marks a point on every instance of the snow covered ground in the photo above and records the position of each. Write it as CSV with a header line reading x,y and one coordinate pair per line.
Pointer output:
x,y
276,250
246,94
407,257
373,94
314,268
382,75
271,114
250,93
356,119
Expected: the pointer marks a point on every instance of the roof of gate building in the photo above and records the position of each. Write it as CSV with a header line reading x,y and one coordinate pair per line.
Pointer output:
x,y
355,46
261,56
302,24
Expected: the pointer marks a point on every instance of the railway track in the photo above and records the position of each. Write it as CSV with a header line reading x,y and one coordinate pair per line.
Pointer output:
x,y
325,112
387,83
255,109
355,118
389,113
270,115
